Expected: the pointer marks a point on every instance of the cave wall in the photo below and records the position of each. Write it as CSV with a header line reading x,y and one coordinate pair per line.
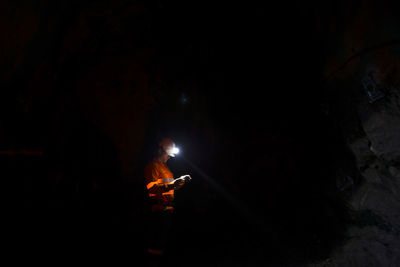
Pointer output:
x,y
363,41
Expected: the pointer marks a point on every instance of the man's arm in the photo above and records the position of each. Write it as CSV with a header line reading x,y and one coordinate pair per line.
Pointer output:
x,y
160,188
157,188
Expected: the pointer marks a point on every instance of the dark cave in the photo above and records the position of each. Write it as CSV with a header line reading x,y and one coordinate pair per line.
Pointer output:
x,y
243,89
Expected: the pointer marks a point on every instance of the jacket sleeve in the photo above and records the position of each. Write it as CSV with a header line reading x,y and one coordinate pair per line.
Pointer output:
x,y
153,182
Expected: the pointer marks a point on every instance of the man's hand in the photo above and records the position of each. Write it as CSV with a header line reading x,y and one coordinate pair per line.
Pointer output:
x,y
179,182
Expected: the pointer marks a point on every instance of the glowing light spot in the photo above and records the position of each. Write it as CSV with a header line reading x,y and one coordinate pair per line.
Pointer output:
x,y
175,150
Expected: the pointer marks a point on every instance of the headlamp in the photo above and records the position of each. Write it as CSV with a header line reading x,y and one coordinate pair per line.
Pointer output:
x,y
175,151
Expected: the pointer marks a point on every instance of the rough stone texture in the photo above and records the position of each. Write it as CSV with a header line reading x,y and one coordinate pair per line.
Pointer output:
x,y
382,127
394,172
375,242
368,246
374,236
361,150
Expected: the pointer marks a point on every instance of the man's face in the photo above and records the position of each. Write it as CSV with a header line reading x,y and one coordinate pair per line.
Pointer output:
x,y
164,156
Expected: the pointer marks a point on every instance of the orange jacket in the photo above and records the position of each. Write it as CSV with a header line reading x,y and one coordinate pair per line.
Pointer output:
x,y
158,177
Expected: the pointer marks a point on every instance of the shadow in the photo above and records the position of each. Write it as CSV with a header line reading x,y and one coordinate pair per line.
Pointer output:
x,y
69,204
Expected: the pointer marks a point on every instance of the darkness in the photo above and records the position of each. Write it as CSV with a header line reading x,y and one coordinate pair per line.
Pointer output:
x,y
90,86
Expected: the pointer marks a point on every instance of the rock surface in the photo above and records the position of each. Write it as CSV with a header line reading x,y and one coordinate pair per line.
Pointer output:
x,y
374,241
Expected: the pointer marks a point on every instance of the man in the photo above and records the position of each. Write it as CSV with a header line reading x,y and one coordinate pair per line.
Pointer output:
x,y
161,186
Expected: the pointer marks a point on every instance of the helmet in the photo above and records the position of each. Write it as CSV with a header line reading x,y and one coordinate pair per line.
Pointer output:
x,y
169,147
